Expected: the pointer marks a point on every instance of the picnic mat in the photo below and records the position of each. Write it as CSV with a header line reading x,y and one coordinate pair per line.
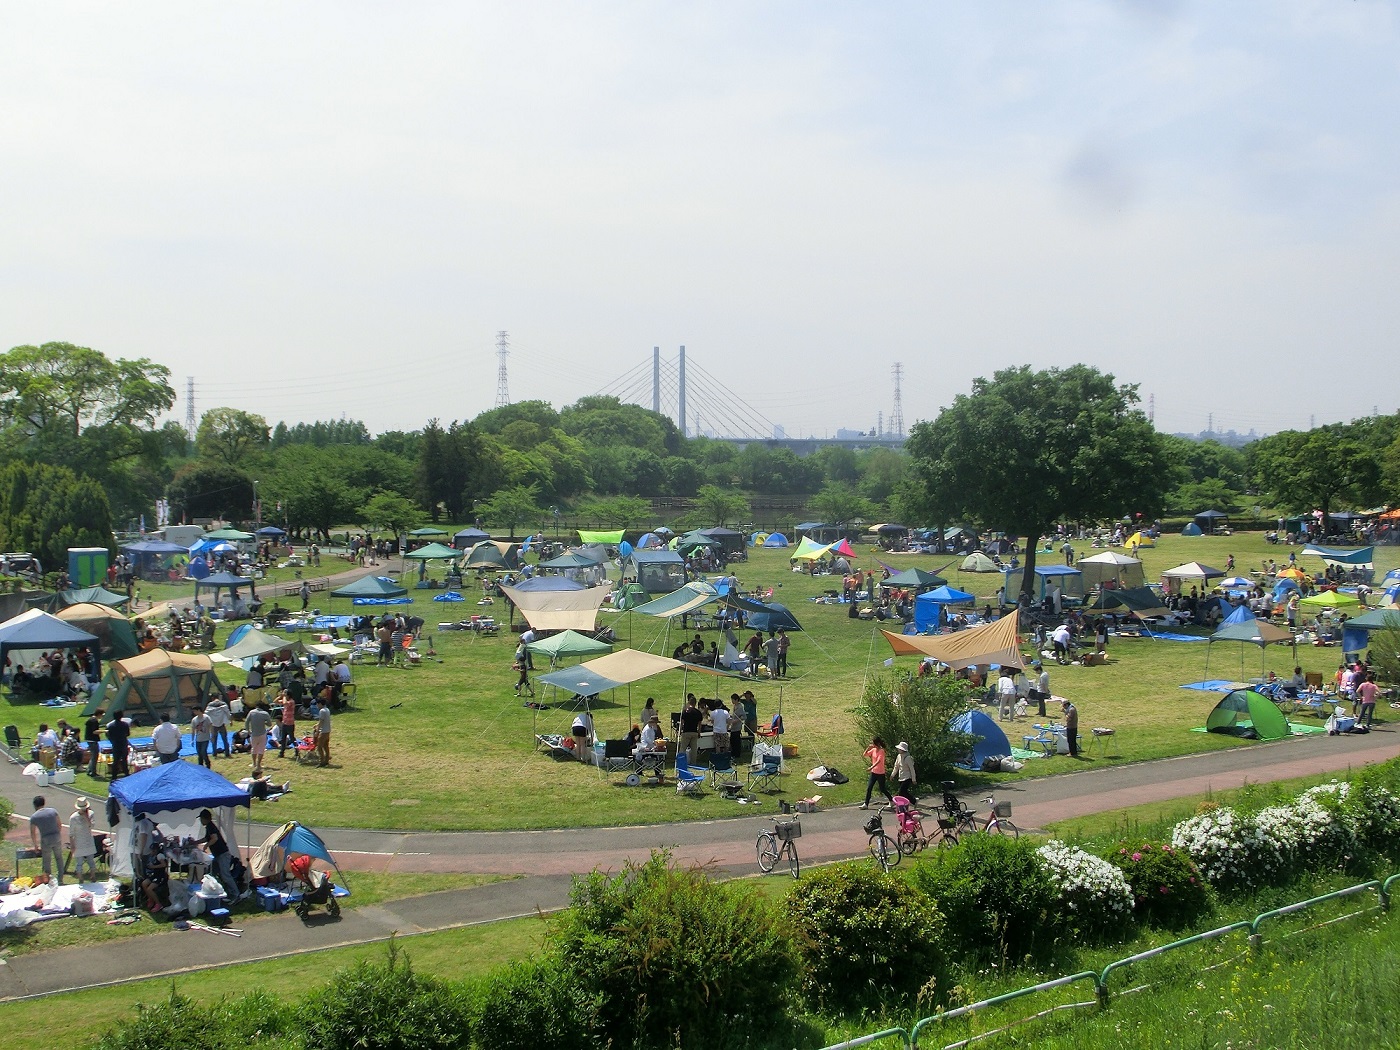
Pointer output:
x,y
1217,685
1294,729
1172,636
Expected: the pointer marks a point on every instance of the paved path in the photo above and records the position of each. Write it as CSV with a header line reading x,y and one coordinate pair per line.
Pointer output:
x,y
548,858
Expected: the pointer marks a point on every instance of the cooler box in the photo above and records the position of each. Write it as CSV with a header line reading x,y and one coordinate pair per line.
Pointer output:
x,y
269,899
87,566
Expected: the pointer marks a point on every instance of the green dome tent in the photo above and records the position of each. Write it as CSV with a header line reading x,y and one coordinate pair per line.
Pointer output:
x,y
1246,713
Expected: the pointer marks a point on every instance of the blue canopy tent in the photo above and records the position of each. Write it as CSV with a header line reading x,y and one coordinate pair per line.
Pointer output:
x,y
1069,580
468,538
38,630
172,795
1356,634
149,557
219,580
271,532
929,607
989,740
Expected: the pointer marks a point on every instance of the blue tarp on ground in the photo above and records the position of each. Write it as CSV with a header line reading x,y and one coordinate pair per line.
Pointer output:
x,y
991,740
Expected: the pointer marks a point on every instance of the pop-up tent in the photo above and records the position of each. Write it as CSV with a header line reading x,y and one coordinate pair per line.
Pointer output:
x,y
656,572
1246,713
371,587
426,531
114,631
774,618
36,629
731,541
1193,571
978,562
775,539
1110,566
284,845
568,643
1210,520
1069,580
1191,529
929,606
172,795
156,682
915,579
990,740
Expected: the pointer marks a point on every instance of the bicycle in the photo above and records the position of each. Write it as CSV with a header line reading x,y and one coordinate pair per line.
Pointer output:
x,y
911,837
998,820
884,851
770,852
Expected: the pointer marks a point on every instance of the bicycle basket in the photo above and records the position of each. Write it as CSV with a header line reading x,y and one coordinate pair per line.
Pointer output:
x,y
873,826
1002,809
946,824
788,830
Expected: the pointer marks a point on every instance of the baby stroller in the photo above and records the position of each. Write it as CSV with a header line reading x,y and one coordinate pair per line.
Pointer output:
x,y
317,888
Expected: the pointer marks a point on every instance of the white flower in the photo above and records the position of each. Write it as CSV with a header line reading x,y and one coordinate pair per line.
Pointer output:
x,y
1085,883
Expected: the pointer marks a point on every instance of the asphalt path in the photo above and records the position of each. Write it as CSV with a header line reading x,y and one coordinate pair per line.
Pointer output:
x,y
545,861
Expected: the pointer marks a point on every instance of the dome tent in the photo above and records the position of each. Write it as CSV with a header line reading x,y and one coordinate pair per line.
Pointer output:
x,y
1191,529
991,741
1248,714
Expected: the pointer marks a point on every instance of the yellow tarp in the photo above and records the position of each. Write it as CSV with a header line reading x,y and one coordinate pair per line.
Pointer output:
x,y
993,643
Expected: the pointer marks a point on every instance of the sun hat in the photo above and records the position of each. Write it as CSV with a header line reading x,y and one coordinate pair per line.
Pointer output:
x,y
83,803
901,746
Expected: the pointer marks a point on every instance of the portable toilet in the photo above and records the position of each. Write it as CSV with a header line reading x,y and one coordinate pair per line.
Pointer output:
x,y
87,566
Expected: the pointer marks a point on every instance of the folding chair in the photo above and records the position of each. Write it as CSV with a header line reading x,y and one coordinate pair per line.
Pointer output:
x,y
723,776
765,775
689,781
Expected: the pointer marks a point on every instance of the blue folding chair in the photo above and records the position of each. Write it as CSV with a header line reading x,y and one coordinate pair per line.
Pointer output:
x,y
723,775
688,780
765,776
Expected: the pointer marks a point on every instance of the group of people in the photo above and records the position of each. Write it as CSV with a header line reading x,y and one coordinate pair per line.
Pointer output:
x,y
46,838
54,674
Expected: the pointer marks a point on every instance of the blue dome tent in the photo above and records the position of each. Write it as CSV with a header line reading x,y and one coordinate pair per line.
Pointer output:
x,y
990,739
776,539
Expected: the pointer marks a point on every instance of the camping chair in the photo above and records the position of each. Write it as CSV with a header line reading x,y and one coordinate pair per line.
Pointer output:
x,y
773,730
12,737
1313,681
765,775
689,780
723,776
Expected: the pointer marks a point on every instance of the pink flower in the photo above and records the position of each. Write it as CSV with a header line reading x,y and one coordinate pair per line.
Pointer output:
x,y
1164,889
1137,856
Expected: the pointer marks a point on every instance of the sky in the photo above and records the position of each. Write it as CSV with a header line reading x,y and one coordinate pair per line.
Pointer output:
x,y
330,209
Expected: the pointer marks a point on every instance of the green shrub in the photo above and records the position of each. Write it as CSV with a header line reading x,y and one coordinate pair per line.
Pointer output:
x,y
386,1006
918,711
175,1021
534,1005
674,957
1168,889
996,896
865,937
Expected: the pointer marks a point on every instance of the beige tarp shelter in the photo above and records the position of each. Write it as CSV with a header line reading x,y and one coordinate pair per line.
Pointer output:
x,y
559,610
154,683
258,643
993,643
1122,570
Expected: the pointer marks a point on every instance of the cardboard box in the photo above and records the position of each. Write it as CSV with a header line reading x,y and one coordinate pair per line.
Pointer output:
x,y
808,805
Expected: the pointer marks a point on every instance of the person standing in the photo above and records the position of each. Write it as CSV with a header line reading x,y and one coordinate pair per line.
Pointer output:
x,y
167,740
690,730
81,842
214,842
1071,715
753,648
1042,686
1366,697
719,722
46,836
92,737
1006,695
904,770
219,717
119,736
305,593
582,733
522,665
783,642
258,722
875,758
384,633
323,735
202,729
770,654
287,728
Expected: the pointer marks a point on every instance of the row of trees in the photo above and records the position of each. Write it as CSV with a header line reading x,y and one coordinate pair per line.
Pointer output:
x,y
1020,452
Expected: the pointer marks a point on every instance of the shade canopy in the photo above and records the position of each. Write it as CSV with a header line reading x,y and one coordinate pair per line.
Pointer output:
x,y
259,643
217,580
569,560
613,537
1110,565
548,583
271,531
568,643
559,610
1360,557
1133,601
371,587
992,643
428,530
96,595
176,786
36,629
228,534
470,537
809,549
1331,600
431,551
916,578
683,600
153,547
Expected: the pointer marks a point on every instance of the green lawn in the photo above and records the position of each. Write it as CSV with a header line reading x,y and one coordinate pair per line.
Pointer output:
x,y
447,745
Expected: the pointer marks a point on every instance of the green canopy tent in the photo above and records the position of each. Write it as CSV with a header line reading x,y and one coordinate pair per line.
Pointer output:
x,y
915,579
432,551
229,534
371,586
1249,714
95,595
568,643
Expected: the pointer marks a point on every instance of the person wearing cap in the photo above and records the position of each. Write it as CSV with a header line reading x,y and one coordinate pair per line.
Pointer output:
x,y
80,840
904,770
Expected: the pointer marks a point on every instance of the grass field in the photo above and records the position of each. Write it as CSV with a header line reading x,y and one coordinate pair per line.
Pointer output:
x,y
447,745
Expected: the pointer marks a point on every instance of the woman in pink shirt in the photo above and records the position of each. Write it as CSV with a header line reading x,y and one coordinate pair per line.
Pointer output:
x,y
1366,695
875,755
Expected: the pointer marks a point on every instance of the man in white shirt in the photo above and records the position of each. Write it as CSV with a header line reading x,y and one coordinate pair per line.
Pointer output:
x,y
220,717
719,719
166,738
1061,639
1006,695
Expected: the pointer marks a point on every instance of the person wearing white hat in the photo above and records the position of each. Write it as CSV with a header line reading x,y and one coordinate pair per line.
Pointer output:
x,y
904,770
81,842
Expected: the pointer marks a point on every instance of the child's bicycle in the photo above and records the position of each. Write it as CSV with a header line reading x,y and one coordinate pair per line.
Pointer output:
x,y
910,836
998,821
769,850
884,851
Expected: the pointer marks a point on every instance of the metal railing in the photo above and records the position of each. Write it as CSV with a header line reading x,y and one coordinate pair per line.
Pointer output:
x,y
1100,980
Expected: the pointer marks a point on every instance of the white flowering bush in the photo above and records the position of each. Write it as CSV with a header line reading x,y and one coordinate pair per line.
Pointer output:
x,y
1373,814
1232,850
1310,833
1094,897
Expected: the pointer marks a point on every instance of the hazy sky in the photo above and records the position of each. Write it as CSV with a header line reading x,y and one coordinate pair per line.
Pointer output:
x,y
317,209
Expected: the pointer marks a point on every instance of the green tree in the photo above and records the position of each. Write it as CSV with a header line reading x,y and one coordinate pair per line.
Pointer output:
x,y
1028,449
881,472
604,422
66,388
46,509
838,503
719,507
517,505
388,512
230,435
917,711
1317,469
211,489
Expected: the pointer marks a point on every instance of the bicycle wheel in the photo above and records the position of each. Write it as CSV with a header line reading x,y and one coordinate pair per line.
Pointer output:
x,y
908,845
1004,827
884,851
947,837
794,865
767,849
